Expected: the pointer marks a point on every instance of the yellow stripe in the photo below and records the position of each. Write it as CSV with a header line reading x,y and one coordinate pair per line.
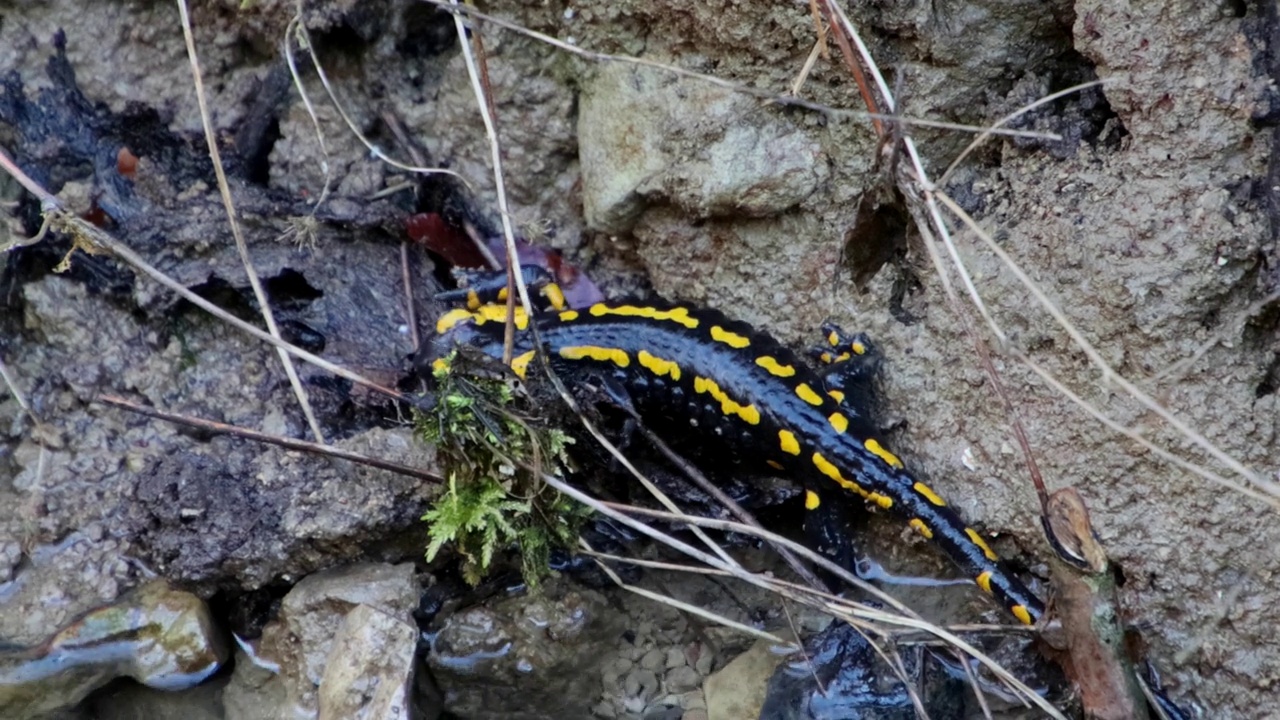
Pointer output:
x,y
727,405
839,422
807,394
520,363
875,449
498,313
657,365
826,468
451,319
811,500
984,580
921,528
568,316
595,352
790,445
1020,612
774,367
555,296
679,315
732,339
928,494
982,544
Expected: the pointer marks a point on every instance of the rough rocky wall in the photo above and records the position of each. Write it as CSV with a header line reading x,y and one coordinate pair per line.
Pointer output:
x,y
1150,227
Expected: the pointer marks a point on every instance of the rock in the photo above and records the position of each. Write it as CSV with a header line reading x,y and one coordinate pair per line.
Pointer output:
x,y
138,702
161,637
313,616
646,137
737,690
682,679
370,669
529,657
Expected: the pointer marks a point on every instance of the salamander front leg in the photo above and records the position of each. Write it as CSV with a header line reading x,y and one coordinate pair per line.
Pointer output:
x,y
849,364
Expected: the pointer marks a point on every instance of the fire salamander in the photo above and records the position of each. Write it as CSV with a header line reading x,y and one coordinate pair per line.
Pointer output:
x,y
689,367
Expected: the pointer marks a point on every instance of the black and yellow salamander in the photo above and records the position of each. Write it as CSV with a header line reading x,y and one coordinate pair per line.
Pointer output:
x,y
689,369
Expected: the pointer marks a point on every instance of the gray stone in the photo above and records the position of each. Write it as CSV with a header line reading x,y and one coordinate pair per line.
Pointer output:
x,y
161,637
370,670
313,615
645,137
737,690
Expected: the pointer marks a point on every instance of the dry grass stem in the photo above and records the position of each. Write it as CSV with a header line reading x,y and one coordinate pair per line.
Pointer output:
x,y
224,189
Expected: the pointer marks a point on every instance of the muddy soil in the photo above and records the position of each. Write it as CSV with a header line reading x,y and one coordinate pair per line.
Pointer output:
x,y
1151,225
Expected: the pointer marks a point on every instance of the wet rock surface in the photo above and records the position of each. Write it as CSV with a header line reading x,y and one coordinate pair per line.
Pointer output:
x,y
524,658
160,637
344,641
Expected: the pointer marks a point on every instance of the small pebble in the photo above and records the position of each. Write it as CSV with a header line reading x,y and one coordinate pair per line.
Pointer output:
x,y
653,660
634,705
675,658
693,700
683,679
699,714
604,709
706,658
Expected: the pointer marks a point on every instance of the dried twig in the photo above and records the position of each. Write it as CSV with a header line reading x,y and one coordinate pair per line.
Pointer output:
x,y
217,428
224,189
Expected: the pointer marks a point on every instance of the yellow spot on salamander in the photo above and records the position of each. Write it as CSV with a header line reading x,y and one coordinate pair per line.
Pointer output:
x,y
928,494
568,316
732,339
839,422
837,395
982,544
555,296
774,367
833,339
595,352
883,501
807,394
451,319
859,348
498,313
826,357
921,528
678,315
984,581
826,468
1020,612
727,405
811,500
520,363
473,300
790,445
875,449
657,365
439,366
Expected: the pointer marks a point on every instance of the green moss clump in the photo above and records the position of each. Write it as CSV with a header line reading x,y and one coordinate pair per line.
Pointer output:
x,y
494,455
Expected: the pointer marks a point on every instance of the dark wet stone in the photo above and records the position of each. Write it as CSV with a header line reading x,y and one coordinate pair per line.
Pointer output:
x,y
161,637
